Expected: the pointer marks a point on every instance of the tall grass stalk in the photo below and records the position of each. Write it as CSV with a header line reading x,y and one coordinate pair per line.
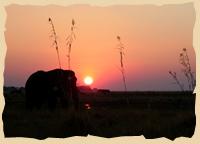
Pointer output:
x,y
174,76
120,46
121,52
186,69
55,43
69,40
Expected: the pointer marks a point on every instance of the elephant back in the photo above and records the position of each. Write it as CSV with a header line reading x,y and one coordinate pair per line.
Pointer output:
x,y
35,81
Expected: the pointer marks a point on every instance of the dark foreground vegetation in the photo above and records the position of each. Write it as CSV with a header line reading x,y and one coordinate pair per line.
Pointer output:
x,y
152,114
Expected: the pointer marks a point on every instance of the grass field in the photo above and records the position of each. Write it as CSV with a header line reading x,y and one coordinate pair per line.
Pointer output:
x,y
152,114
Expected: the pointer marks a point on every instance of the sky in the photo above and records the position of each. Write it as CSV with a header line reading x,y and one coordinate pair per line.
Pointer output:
x,y
153,37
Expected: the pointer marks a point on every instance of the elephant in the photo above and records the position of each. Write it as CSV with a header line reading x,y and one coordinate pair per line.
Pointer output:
x,y
48,87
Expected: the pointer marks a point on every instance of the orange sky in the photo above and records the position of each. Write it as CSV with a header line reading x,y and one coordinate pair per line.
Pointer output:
x,y
153,37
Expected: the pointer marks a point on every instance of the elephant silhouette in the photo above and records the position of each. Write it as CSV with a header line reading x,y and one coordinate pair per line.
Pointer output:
x,y
48,87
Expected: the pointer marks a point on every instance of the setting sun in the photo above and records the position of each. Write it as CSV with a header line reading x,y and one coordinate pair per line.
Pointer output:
x,y
88,80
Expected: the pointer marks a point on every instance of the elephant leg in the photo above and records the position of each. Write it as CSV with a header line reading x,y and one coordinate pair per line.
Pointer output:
x,y
75,98
64,98
64,102
52,101
39,103
29,103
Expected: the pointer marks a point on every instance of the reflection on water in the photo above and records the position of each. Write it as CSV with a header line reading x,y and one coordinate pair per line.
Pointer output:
x,y
87,106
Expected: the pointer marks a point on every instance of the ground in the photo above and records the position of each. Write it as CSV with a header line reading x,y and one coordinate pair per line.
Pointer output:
x,y
111,114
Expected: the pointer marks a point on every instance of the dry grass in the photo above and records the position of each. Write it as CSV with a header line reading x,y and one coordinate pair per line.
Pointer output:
x,y
55,42
187,71
69,40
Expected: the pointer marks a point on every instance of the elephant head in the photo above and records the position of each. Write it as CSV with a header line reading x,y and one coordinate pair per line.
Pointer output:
x,y
50,87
